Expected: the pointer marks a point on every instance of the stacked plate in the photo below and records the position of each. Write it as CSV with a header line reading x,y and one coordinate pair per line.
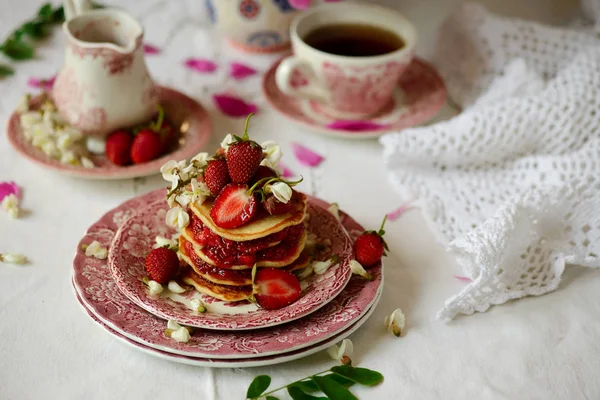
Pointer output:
x,y
332,306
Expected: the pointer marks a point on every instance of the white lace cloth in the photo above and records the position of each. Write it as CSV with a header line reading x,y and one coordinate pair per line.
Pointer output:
x,y
512,184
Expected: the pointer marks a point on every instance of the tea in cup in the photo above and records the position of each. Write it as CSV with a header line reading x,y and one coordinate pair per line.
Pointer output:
x,y
349,56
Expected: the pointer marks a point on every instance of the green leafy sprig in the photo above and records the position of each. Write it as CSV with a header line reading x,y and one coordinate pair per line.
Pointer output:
x,y
333,383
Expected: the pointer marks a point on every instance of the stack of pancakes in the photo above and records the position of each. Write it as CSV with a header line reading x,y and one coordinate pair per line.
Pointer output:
x,y
220,260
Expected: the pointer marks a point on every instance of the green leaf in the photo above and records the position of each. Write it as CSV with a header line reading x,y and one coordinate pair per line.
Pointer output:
x,y
309,386
341,380
298,394
272,398
58,15
17,49
35,29
45,12
258,386
5,71
332,389
363,376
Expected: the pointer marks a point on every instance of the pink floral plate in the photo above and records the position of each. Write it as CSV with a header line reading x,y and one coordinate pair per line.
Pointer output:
x,y
421,94
240,362
182,111
135,239
94,284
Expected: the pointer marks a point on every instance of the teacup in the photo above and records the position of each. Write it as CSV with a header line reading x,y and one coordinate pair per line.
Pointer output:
x,y
357,78
254,26
104,84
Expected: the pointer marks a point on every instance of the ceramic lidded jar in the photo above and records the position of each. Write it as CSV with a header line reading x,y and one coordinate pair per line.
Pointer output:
x,y
104,84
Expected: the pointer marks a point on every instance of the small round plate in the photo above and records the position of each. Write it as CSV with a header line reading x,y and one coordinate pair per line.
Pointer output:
x,y
182,111
135,240
98,291
421,93
239,362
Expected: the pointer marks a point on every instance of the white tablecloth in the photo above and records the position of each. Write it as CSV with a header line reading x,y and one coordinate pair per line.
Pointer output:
x,y
537,348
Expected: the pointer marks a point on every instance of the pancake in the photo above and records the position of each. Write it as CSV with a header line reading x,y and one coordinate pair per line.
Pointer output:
x,y
227,276
270,257
263,226
221,292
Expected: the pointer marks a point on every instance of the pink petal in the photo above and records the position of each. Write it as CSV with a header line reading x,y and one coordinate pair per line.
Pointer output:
x,y
463,278
240,71
306,156
355,126
397,213
300,4
40,83
8,188
150,49
200,65
234,106
286,172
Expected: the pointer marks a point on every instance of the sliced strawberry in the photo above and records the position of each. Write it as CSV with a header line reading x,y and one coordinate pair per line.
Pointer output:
x,y
234,206
162,265
146,146
118,147
275,207
216,176
275,288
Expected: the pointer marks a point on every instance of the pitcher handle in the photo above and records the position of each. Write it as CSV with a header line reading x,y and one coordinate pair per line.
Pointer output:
x,y
309,88
73,8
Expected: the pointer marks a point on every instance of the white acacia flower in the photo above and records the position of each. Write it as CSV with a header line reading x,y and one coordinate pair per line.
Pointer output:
x,y
395,322
175,180
282,191
49,148
320,267
200,160
184,198
87,163
200,191
177,218
334,209
10,203
64,141
31,118
198,306
274,167
171,168
175,287
95,145
163,241
18,259
227,141
177,332
343,352
272,152
305,273
23,106
95,249
358,269
154,288
68,157
172,200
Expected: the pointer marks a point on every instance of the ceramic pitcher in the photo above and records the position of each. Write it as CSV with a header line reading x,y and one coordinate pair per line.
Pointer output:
x,y
104,84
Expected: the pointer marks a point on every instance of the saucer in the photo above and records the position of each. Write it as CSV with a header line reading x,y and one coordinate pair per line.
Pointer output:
x,y
183,112
100,295
420,94
135,239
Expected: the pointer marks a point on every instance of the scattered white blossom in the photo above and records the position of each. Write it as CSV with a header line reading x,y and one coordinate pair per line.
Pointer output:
x,y
23,106
334,209
87,163
198,306
320,267
96,145
177,218
161,241
95,249
395,322
18,259
343,352
305,273
154,288
358,269
175,287
10,204
177,332
281,190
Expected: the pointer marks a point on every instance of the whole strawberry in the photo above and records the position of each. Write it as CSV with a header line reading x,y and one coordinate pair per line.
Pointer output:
x,y
262,172
369,247
118,147
146,146
243,157
162,265
216,176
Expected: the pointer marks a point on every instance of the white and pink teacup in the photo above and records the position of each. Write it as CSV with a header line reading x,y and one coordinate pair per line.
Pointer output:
x,y
351,87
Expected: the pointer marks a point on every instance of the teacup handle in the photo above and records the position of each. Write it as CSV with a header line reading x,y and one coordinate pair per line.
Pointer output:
x,y
311,89
73,8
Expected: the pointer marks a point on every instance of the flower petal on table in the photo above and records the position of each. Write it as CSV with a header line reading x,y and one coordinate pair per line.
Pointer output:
x,y
151,49
240,71
300,4
355,126
306,156
41,83
463,278
8,188
201,65
398,212
234,106
285,171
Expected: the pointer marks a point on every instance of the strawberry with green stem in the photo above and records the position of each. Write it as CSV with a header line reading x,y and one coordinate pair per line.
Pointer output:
x,y
370,246
243,157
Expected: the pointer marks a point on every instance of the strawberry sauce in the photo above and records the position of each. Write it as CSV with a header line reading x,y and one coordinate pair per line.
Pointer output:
x,y
233,277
